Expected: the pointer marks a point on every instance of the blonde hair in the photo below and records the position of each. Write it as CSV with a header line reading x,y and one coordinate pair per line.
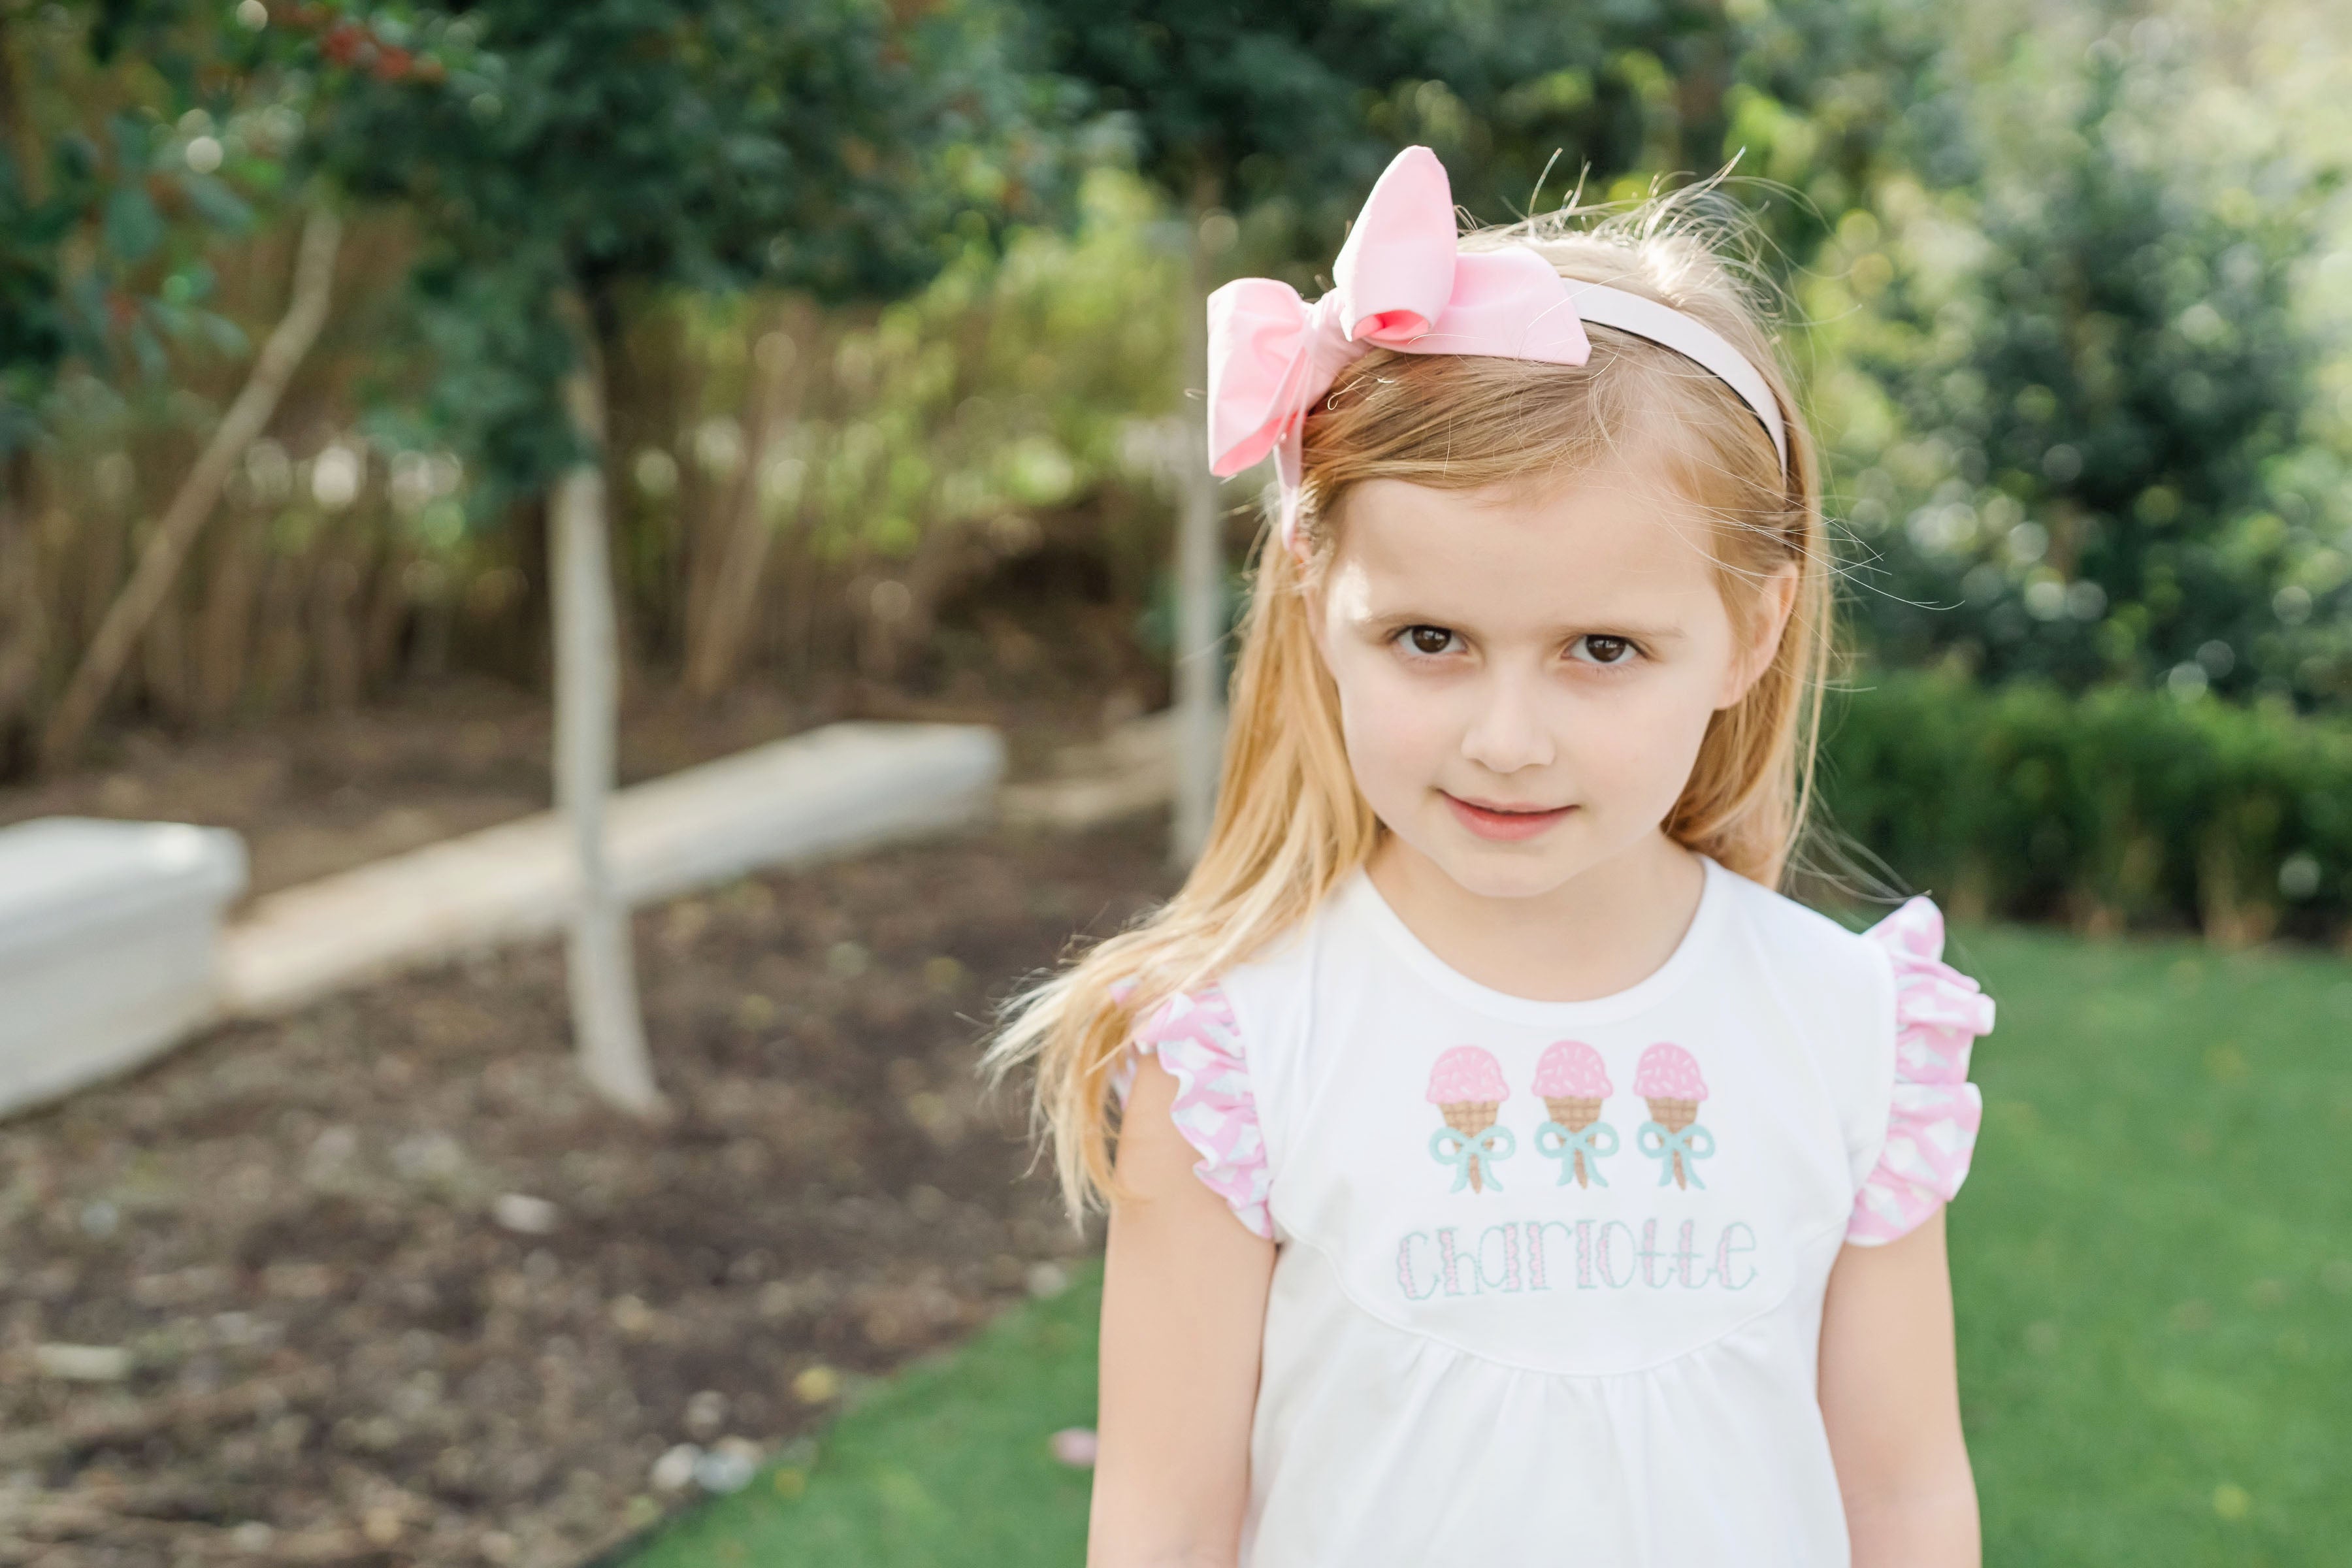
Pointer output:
x,y
1290,822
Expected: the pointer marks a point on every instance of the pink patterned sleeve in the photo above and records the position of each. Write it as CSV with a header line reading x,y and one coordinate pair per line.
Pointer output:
x,y
1931,1128
1195,1038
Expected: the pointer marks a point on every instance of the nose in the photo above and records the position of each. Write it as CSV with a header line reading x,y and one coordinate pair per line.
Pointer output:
x,y
1508,732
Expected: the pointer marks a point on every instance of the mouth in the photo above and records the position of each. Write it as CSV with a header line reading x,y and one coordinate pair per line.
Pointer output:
x,y
1493,819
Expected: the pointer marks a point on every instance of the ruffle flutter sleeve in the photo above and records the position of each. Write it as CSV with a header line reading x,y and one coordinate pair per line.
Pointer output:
x,y
1195,1038
1931,1128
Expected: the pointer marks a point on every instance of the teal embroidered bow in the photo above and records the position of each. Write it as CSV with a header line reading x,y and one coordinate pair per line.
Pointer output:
x,y
1555,1140
1494,1143
1693,1142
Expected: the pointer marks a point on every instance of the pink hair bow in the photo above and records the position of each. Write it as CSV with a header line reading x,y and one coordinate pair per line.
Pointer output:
x,y
1399,283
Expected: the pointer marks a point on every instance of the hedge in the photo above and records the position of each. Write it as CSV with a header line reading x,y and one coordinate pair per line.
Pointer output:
x,y
2114,809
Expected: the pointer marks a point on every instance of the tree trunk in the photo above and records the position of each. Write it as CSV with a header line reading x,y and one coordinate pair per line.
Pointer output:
x,y
1200,582
24,619
715,638
335,605
387,615
224,625
600,965
159,561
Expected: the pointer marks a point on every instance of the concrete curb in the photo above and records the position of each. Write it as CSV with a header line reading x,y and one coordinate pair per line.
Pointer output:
x,y
824,793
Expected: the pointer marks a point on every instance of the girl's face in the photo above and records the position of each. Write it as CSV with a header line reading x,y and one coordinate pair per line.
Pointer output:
x,y
1524,674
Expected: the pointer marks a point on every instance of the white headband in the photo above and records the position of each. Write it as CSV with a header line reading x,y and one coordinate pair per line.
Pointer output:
x,y
1689,337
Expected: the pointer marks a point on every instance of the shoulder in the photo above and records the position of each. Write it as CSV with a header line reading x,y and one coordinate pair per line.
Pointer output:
x,y
1894,1024
1194,1038
1262,1003
1782,922
1938,1010
1224,1041
1815,964
1933,1111
1901,955
1890,979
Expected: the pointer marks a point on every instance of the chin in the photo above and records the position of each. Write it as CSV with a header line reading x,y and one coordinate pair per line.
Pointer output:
x,y
1506,871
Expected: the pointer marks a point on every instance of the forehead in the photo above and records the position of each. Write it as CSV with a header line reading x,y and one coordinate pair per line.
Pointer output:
x,y
1597,544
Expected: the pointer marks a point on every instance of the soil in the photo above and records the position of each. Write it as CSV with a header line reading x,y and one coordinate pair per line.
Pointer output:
x,y
382,1283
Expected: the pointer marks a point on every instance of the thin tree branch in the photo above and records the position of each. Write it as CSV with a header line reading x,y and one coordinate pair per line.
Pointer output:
x,y
167,547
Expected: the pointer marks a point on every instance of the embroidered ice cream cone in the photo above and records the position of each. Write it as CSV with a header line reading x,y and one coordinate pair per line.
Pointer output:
x,y
1669,1079
1572,1083
1467,1088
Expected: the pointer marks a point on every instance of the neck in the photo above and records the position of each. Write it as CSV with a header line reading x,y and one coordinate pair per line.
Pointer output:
x,y
1605,929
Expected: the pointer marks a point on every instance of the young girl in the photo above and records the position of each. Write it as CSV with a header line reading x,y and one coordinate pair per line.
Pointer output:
x,y
1506,1171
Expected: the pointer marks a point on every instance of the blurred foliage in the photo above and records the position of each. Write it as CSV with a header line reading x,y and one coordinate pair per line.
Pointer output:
x,y
111,188
925,437
2117,807
2069,285
1303,101
916,445
970,403
604,149
2087,454
1285,112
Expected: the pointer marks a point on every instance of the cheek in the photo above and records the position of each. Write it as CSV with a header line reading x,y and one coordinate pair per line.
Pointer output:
x,y
1398,731
1638,745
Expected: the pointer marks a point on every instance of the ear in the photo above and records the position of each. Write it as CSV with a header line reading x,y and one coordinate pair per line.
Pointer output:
x,y
1776,600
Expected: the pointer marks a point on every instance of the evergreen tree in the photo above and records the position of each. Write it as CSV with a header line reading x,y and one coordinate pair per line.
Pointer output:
x,y
2103,476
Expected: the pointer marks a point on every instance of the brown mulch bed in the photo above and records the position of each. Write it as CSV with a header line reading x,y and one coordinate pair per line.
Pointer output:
x,y
389,1287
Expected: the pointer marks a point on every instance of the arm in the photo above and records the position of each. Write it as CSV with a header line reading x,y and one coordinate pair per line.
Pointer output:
x,y
1890,1398
1183,1317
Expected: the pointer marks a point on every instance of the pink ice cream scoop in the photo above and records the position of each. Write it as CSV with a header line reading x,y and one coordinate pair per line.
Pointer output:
x,y
1570,1069
1668,1072
1466,1074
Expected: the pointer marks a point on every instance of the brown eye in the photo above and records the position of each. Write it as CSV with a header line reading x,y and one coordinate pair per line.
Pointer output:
x,y
1606,649
1428,639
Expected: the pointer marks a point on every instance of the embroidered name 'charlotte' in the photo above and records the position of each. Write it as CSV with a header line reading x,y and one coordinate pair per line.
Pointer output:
x,y
1608,1255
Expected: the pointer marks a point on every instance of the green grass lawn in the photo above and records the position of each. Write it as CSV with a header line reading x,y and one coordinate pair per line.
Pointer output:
x,y
2153,1262
945,1466
2153,1257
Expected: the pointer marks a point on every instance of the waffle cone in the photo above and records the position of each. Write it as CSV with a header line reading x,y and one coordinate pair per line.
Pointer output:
x,y
1673,1115
1575,1113
1470,1118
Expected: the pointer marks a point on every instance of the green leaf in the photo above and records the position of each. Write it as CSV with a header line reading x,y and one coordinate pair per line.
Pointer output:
x,y
134,228
216,203
223,333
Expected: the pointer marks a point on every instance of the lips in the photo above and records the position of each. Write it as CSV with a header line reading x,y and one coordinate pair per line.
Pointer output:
x,y
1494,820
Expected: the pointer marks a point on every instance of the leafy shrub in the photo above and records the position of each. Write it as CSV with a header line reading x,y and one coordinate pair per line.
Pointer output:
x,y
2120,807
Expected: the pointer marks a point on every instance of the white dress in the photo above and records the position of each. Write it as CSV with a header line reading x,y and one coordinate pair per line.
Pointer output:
x,y
1548,1276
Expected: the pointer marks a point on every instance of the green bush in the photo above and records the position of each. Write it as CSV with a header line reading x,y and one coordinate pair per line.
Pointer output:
x,y
2120,807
